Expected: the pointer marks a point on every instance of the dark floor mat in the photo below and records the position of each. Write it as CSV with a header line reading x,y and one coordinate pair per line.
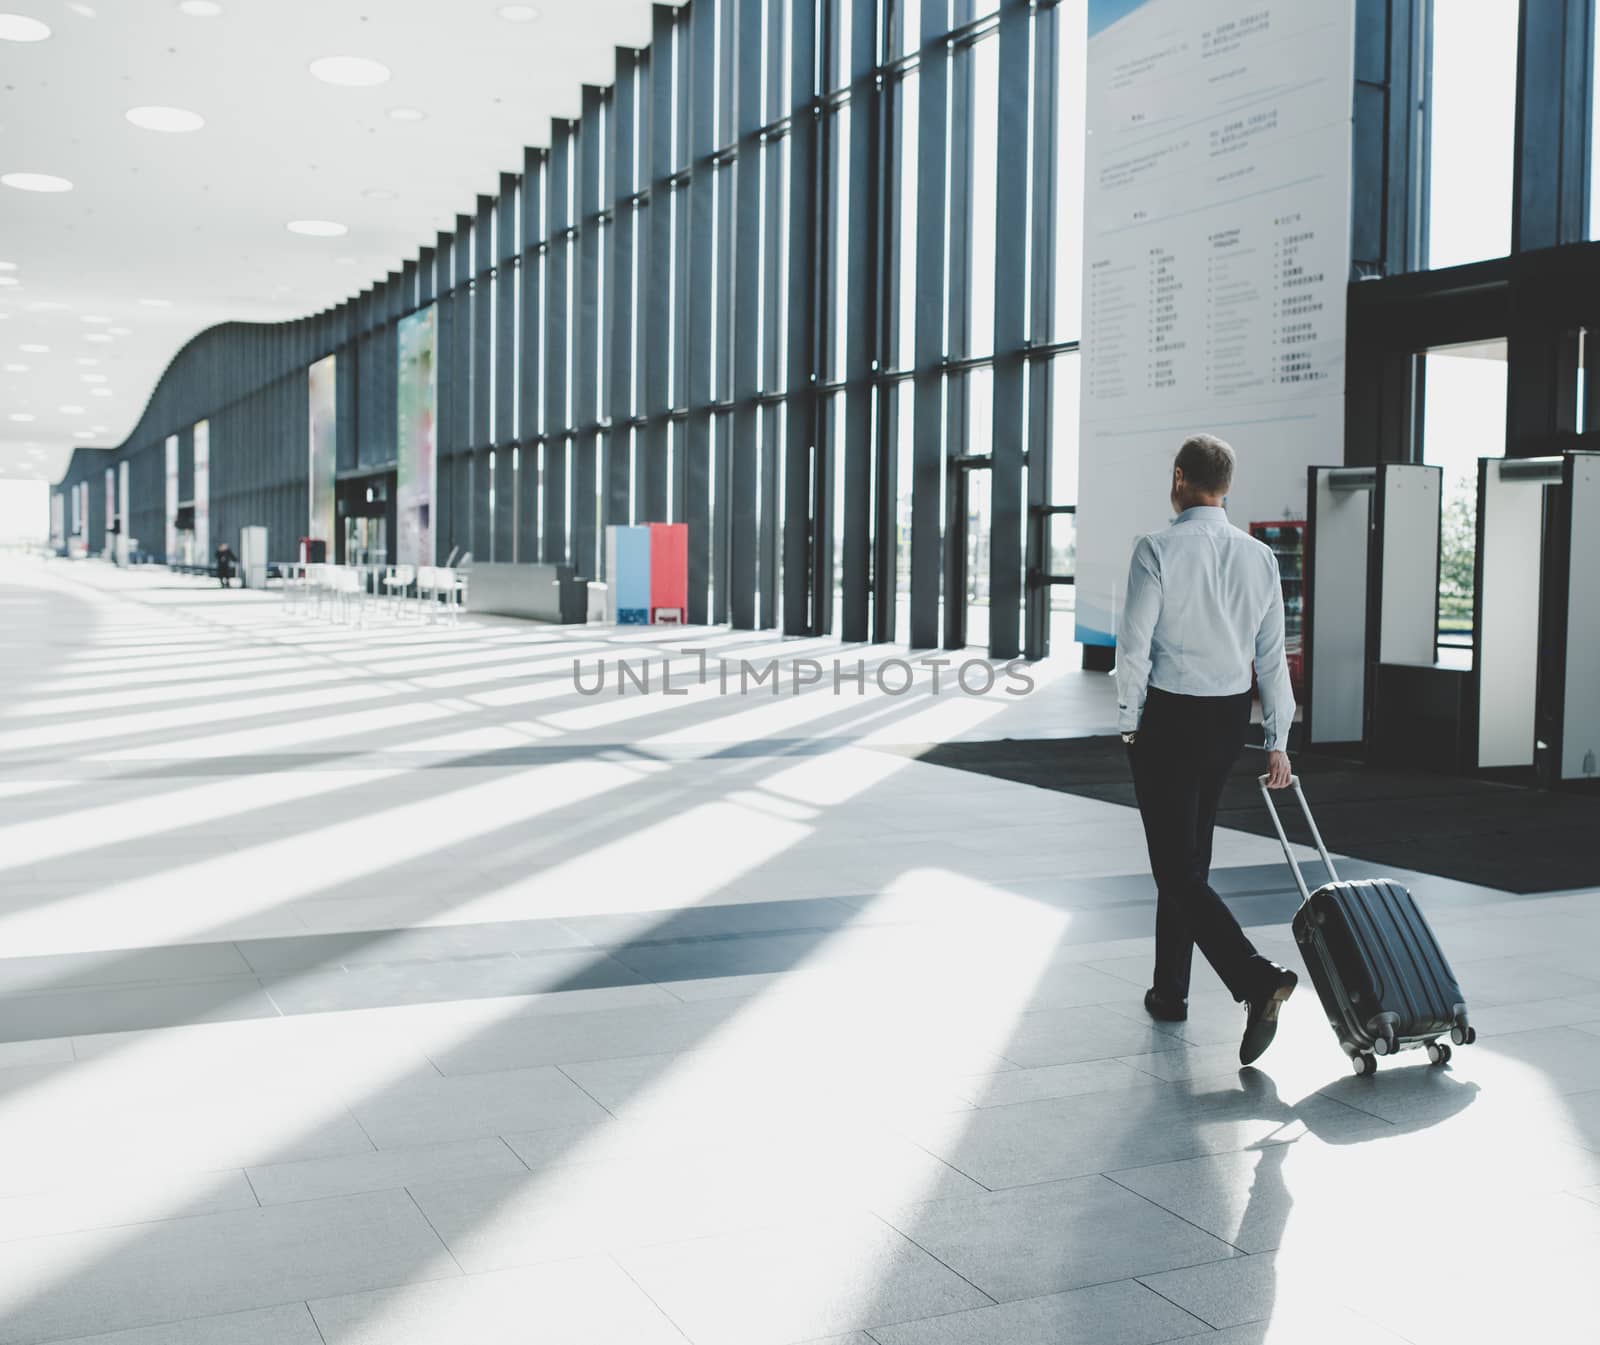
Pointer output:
x,y
1475,831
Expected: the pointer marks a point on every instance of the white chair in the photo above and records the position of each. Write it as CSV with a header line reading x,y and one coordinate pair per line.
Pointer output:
x,y
397,582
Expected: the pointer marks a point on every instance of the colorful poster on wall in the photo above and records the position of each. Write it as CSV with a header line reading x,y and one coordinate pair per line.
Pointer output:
x,y
202,492
323,387
415,478
1216,253
172,498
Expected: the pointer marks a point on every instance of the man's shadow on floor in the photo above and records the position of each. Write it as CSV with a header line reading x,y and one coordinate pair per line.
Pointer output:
x,y
1265,1218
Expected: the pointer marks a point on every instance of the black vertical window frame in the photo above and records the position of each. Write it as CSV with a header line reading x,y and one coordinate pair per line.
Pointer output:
x,y
388,345
585,409
699,288
805,512
1010,334
620,296
655,278
532,244
426,264
557,413
482,364
461,410
958,336
444,337
862,318
505,368
774,227
1040,374
927,452
744,449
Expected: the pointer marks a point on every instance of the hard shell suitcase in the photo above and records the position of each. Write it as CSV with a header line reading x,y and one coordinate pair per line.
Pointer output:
x,y
1384,982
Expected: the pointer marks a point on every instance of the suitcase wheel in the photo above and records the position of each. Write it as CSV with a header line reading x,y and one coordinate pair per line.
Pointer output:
x,y
1364,1063
1438,1053
1463,1036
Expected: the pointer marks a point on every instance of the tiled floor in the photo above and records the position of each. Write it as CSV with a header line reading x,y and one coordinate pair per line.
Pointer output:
x,y
372,984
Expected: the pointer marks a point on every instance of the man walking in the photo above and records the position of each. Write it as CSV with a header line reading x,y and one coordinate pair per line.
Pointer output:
x,y
1203,602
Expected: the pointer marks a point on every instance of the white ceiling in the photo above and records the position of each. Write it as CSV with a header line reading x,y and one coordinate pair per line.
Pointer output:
x,y
198,219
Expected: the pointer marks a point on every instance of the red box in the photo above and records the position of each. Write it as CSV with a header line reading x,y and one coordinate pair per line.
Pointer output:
x,y
669,569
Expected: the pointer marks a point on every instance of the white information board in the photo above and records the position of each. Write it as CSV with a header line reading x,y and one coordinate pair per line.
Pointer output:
x,y
1216,254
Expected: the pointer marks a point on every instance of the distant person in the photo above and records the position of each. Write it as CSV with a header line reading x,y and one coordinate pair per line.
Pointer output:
x,y
224,564
1203,601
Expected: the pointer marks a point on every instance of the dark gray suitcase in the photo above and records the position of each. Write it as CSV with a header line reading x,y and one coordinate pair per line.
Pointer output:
x,y
1384,982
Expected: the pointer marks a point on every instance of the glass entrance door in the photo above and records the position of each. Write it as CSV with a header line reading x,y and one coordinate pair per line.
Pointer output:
x,y
969,519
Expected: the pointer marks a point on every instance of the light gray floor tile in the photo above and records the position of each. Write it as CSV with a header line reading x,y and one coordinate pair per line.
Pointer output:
x,y
1070,1137
72,971
432,1110
589,1036
1123,1313
279,1183
1314,1326
669,1195
574,1302
113,1201
1223,1293
1030,1085
288,1324
85,1282
379,985
66,1013
796,1282
1242,1198
27,1054
1055,1236
1067,1036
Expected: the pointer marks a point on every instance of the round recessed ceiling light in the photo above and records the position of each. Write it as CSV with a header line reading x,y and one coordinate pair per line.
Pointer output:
x,y
407,114
9,280
95,336
93,378
99,392
47,306
156,303
8,266
518,13
200,9
120,331
83,434
87,11
87,360
99,319
171,119
70,410
99,429
353,71
20,28
21,417
35,182
35,350
16,368
317,228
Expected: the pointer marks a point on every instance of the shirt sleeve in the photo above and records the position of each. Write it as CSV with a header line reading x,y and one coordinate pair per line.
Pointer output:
x,y
1140,609
1272,672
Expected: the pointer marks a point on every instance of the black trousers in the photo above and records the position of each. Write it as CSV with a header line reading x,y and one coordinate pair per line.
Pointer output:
x,y
1181,758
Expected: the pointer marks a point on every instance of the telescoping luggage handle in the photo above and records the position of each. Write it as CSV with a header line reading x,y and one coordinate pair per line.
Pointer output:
x,y
1277,825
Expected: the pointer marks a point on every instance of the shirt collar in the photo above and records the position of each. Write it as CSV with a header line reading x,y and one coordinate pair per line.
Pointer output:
x,y
1203,513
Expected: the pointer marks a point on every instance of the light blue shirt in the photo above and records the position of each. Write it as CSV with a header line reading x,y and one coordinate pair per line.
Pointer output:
x,y
1204,600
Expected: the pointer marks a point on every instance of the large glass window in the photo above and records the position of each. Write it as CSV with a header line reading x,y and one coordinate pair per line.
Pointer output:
x,y
1463,419
1472,127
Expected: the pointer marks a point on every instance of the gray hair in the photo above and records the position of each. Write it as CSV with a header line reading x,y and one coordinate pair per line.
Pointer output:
x,y
1207,464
